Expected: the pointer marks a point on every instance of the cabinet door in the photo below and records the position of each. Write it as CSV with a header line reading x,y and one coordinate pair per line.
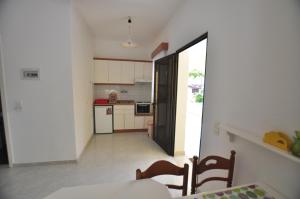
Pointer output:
x,y
119,122
129,119
100,71
114,72
139,122
127,72
148,119
148,71
138,71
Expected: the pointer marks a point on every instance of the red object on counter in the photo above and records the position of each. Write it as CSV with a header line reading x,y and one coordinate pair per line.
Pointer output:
x,y
101,101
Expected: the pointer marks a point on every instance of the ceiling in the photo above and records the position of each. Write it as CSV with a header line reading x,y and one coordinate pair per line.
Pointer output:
x,y
108,18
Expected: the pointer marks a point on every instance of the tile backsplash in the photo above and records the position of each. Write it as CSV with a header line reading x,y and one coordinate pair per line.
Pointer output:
x,y
138,92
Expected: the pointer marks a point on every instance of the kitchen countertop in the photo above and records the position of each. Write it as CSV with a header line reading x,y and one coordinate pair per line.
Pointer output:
x,y
119,102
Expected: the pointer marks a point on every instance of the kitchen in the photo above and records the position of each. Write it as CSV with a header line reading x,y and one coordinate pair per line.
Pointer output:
x,y
122,96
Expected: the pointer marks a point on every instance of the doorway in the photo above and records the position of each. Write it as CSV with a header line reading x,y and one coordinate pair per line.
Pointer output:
x,y
179,97
3,141
3,147
191,82
193,60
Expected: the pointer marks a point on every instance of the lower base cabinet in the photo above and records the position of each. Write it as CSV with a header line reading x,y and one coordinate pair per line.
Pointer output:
x,y
139,122
129,120
148,120
142,122
118,121
124,118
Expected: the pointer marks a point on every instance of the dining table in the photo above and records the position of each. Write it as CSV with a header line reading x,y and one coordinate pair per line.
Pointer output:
x,y
136,189
248,191
151,189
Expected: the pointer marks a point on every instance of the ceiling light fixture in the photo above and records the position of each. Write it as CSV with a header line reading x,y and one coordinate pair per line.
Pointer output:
x,y
129,43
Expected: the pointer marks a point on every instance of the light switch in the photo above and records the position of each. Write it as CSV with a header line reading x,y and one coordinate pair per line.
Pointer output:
x,y
30,74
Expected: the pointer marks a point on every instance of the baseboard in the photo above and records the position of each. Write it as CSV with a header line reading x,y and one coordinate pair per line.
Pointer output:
x,y
44,163
87,143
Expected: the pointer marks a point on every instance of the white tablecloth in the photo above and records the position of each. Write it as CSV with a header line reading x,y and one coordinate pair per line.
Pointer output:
x,y
146,189
267,188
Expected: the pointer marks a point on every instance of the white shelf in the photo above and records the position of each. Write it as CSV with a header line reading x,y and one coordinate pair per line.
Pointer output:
x,y
232,132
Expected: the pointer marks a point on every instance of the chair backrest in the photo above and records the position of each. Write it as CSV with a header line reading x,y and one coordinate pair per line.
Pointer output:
x,y
163,167
204,165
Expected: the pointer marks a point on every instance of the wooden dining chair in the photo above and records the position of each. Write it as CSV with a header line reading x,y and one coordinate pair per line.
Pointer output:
x,y
204,165
163,167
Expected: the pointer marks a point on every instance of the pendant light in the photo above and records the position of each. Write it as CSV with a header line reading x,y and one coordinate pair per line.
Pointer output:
x,y
129,43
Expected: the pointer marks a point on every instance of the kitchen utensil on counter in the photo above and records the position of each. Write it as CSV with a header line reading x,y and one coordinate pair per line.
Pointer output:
x,y
101,101
113,97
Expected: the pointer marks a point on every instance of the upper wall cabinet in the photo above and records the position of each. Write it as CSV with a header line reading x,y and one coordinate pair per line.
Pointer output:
x,y
122,72
127,75
114,72
143,72
101,71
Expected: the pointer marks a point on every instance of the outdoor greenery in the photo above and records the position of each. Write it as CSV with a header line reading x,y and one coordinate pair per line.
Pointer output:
x,y
195,73
199,98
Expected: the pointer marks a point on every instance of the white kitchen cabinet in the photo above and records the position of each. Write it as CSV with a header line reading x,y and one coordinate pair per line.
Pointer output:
x,y
123,117
121,72
138,71
127,73
147,120
115,72
139,122
101,71
129,119
118,120
143,72
148,72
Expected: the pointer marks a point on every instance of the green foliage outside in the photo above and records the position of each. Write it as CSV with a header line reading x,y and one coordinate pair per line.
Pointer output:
x,y
199,98
195,73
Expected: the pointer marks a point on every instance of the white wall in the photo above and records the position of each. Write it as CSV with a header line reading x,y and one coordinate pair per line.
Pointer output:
x,y
82,66
36,34
113,49
252,79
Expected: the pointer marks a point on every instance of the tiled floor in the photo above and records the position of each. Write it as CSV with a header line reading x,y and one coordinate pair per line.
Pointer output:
x,y
108,158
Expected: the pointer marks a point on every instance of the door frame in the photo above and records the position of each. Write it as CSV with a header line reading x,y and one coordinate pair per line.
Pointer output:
x,y
190,44
7,130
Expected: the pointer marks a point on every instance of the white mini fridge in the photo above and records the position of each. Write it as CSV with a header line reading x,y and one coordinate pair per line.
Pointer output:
x,y
103,119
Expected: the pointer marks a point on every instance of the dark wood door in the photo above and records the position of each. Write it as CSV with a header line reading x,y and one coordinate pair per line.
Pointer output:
x,y
165,90
3,149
